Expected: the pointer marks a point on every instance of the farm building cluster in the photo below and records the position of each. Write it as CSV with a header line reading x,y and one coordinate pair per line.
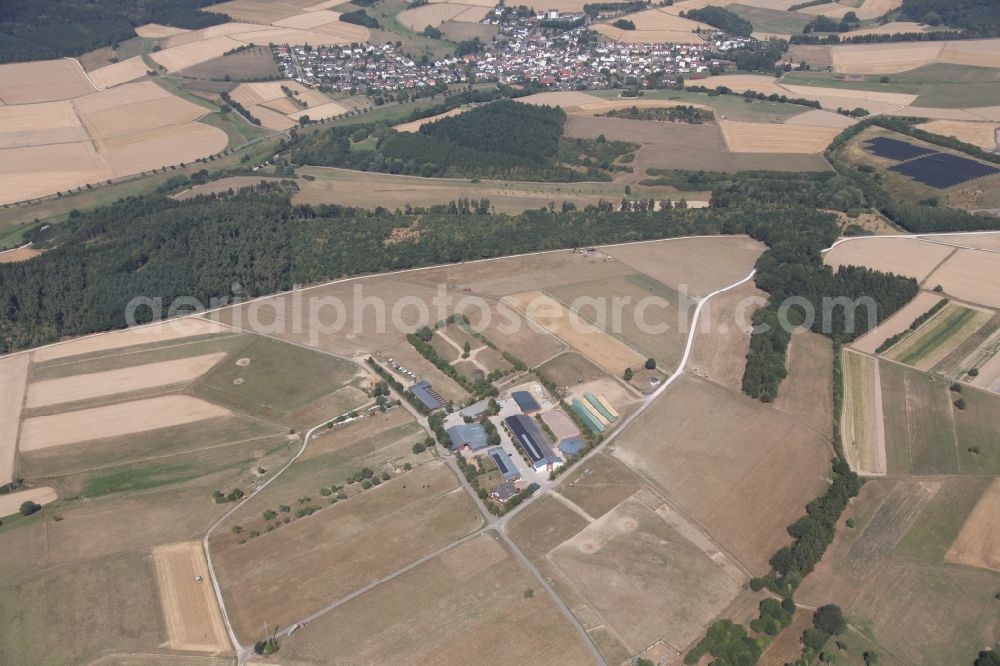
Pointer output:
x,y
526,53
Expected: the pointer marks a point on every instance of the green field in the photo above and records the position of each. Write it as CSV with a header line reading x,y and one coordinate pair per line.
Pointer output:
x,y
919,425
978,427
954,321
733,107
278,379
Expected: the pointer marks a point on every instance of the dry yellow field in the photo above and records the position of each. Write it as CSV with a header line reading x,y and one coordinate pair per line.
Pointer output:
x,y
18,255
978,544
308,20
742,82
191,614
125,380
166,331
776,138
903,256
814,92
321,111
39,124
34,171
818,118
151,107
157,31
897,323
862,424
415,125
986,241
971,276
884,58
891,28
194,52
433,15
119,72
648,36
13,375
127,418
9,504
608,352
42,81
271,119
222,30
872,9
161,146
977,52
983,135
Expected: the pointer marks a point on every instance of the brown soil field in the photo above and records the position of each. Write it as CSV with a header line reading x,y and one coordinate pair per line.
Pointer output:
x,y
978,544
42,81
255,63
221,30
190,611
775,138
816,92
287,574
741,82
134,108
891,28
112,382
256,11
748,485
449,610
41,432
978,52
119,72
18,255
643,578
593,342
11,503
157,31
34,171
272,119
308,20
676,136
897,323
13,375
415,125
816,56
807,392
570,369
962,276
884,58
525,340
162,146
903,256
695,266
723,338
600,486
985,241
249,94
174,329
862,424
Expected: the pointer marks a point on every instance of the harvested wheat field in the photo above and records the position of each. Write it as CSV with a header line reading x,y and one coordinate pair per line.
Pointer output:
x,y
975,52
982,134
989,240
862,424
126,418
978,544
157,31
13,375
903,256
126,380
194,52
133,108
654,26
171,329
897,323
891,28
608,352
694,266
415,125
33,171
161,146
432,15
119,72
307,20
971,276
742,82
10,503
190,612
817,92
26,125
42,81
256,11
776,138
885,58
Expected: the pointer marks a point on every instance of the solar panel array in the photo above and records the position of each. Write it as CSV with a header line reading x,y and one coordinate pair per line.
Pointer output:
x,y
942,170
895,149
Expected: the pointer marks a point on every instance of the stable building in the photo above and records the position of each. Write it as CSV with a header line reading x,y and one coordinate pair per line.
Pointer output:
x,y
504,463
471,435
426,394
525,402
532,441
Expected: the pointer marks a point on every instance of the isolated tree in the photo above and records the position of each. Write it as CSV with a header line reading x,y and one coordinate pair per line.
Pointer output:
x,y
651,364
830,619
960,403
871,658
974,372
628,374
29,507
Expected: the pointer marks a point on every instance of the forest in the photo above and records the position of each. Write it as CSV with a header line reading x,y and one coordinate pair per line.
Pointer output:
x,y
976,16
721,18
503,139
681,113
46,29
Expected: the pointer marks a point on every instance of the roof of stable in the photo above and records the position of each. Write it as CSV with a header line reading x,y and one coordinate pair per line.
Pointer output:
x,y
531,439
571,446
472,434
427,395
525,401
508,470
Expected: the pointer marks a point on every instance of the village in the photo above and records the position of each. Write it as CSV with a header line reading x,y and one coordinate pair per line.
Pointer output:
x,y
528,51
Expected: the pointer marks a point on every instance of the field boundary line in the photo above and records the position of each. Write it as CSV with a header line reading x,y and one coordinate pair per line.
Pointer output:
x,y
89,80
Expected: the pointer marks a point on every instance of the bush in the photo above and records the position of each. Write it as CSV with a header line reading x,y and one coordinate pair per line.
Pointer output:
x,y
419,448
974,372
814,639
366,484
29,507
651,364
624,24
269,514
960,403
628,374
